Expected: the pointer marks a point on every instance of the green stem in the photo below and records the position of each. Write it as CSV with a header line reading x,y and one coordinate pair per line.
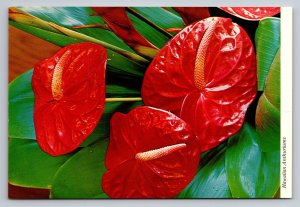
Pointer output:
x,y
123,99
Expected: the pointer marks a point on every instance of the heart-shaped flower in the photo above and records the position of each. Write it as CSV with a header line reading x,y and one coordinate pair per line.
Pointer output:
x,y
151,154
252,13
206,75
69,90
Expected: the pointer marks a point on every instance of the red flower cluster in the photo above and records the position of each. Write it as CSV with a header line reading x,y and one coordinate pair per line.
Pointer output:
x,y
205,75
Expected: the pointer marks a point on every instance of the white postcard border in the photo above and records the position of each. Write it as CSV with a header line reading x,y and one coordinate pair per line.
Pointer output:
x,y
286,103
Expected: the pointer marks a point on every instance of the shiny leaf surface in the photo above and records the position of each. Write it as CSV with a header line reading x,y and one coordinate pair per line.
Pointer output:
x,y
117,63
210,181
207,75
251,172
158,17
80,176
53,37
269,179
267,41
23,17
243,160
76,16
151,154
153,35
29,166
20,107
267,117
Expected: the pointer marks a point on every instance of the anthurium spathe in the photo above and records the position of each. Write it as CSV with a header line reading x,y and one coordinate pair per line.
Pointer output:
x,y
151,154
252,13
206,75
69,90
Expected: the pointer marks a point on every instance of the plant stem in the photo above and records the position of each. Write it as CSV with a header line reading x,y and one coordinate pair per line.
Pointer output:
x,y
123,99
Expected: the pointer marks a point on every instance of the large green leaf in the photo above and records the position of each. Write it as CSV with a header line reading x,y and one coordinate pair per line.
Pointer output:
x,y
28,19
21,100
269,175
76,16
117,63
29,166
267,41
242,161
267,117
20,107
81,175
158,17
251,173
151,34
210,181
272,87
55,38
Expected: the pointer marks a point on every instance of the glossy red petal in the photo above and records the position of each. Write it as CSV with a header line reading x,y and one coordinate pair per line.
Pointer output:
x,y
252,13
152,154
192,14
213,99
62,123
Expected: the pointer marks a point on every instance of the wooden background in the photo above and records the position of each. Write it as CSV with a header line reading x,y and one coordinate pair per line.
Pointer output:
x,y
25,51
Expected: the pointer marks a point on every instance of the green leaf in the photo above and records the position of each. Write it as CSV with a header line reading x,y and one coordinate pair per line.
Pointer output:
x,y
76,16
102,195
210,181
121,91
161,17
272,87
117,63
242,161
20,107
268,125
81,175
267,117
158,18
170,9
269,179
55,38
147,31
251,173
29,166
27,19
267,41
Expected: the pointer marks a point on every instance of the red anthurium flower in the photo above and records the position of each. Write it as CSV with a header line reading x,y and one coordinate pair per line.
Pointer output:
x,y
152,154
69,90
252,13
207,75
